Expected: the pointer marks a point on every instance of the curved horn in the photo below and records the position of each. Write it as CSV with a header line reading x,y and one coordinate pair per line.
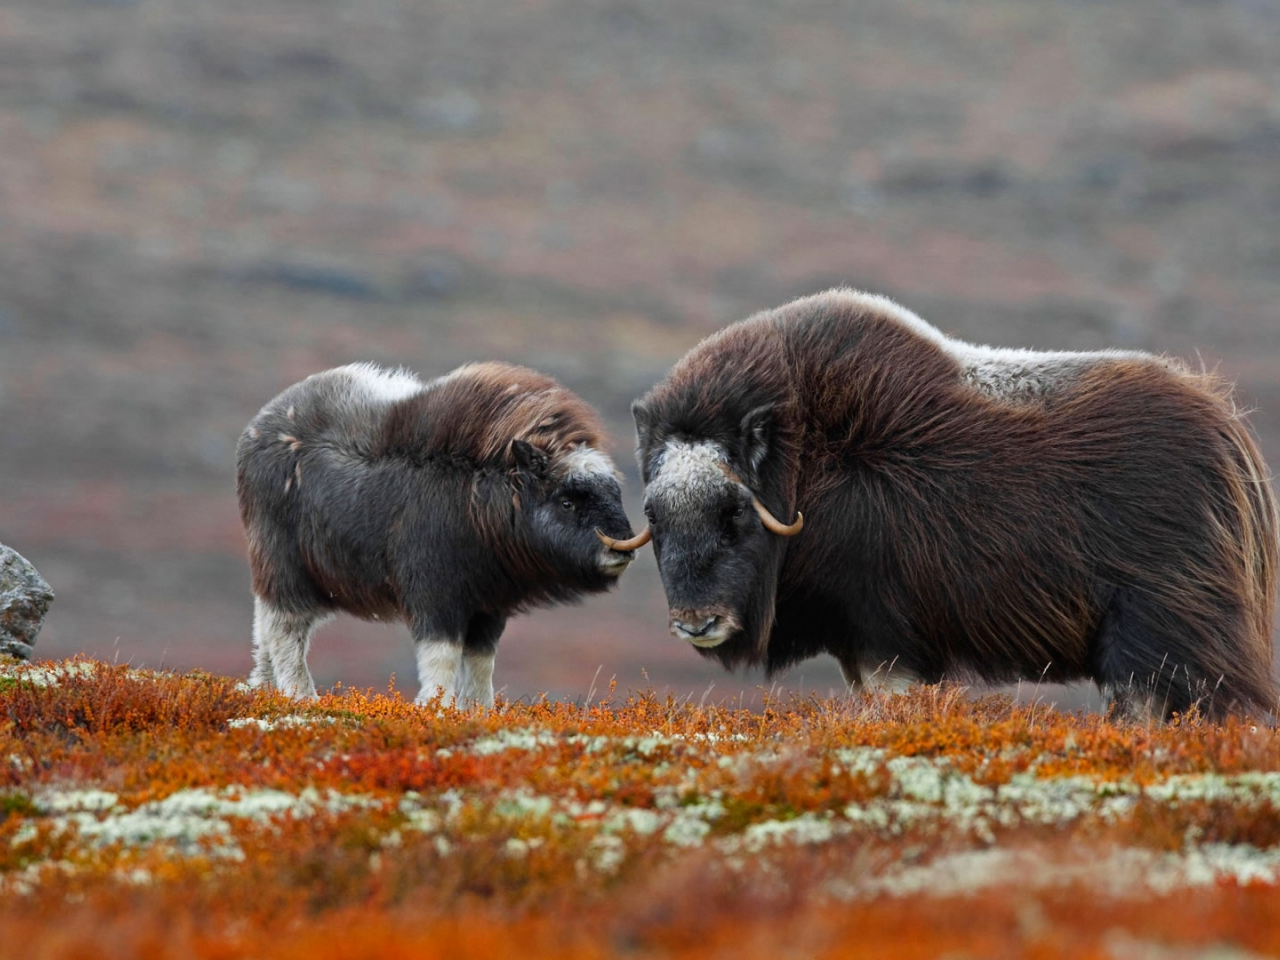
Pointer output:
x,y
626,546
774,525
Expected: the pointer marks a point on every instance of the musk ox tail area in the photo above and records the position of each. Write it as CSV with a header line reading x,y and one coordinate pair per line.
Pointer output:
x,y
297,451
1250,513
1191,552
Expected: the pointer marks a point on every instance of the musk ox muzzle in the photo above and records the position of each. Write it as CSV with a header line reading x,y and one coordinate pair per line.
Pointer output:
x,y
614,563
619,554
704,627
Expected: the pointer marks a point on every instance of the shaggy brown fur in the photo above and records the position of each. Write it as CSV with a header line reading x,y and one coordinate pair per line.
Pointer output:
x,y
496,403
1113,520
474,416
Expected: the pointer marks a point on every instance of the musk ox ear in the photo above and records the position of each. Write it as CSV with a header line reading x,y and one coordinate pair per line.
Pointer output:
x,y
644,424
528,458
757,432
646,435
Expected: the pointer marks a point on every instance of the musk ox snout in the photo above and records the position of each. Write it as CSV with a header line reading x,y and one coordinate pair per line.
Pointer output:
x,y
615,562
704,627
619,553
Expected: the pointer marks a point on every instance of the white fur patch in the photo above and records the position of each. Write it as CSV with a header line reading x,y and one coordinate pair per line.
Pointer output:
x,y
587,461
687,473
1002,372
886,677
280,644
1027,374
439,668
379,385
477,684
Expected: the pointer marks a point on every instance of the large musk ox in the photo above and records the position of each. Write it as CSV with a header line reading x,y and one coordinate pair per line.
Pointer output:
x,y
450,505
968,512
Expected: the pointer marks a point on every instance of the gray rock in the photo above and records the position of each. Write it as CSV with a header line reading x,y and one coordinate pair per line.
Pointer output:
x,y
24,601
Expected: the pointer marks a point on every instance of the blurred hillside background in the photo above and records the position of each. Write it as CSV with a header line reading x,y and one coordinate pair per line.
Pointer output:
x,y
201,203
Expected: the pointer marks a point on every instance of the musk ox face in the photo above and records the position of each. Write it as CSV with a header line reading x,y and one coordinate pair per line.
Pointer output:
x,y
711,548
564,504
718,548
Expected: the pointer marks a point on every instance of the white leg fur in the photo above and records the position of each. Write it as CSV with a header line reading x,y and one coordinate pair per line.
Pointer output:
x,y
852,675
440,668
883,677
263,673
280,644
478,685
887,677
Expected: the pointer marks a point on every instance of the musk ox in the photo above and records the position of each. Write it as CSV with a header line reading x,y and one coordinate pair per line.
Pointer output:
x,y
968,512
451,505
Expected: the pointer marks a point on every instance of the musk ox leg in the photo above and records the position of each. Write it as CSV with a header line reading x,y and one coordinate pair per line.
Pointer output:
x,y
440,669
479,652
478,684
280,643
1138,667
263,673
1128,704
886,677
852,674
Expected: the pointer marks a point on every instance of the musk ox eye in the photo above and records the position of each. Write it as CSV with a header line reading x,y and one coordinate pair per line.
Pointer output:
x,y
567,505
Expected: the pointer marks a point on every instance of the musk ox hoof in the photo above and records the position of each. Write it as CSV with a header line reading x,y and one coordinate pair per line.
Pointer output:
x,y
24,601
439,697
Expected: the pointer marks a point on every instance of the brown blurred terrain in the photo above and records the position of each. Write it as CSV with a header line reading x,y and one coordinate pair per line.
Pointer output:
x,y
201,203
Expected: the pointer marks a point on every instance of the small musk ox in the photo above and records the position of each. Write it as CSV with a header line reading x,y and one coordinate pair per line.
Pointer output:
x,y
968,512
450,505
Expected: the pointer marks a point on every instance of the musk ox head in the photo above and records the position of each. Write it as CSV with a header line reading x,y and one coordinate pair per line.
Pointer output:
x,y
719,547
572,512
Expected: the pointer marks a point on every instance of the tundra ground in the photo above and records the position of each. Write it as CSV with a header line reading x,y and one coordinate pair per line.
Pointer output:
x,y
162,815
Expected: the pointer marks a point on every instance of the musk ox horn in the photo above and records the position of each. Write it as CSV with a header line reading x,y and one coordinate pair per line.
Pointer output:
x,y
774,525
626,546
771,523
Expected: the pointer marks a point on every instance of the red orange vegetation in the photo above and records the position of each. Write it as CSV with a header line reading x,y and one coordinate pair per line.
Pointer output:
x,y
156,815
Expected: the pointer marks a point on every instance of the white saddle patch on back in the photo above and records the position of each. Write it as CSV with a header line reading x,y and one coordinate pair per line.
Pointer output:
x,y
1025,374
375,384
1006,373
